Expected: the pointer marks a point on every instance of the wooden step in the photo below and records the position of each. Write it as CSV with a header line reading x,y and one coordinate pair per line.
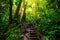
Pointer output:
x,y
33,35
31,30
34,38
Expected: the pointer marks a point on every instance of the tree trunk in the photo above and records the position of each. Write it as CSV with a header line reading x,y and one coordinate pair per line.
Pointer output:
x,y
24,13
10,14
16,16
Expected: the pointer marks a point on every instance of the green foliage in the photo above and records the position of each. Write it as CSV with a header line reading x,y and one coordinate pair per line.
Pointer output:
x,y
17,2
4,11
14,33
44,13
49,23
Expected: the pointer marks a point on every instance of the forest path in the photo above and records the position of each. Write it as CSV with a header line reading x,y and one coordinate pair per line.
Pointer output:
x,y
30,33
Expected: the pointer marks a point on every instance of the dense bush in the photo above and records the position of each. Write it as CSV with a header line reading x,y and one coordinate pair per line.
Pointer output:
x,y
13,33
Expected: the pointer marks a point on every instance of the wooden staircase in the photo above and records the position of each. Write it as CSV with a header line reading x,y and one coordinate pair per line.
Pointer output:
x,y
31,34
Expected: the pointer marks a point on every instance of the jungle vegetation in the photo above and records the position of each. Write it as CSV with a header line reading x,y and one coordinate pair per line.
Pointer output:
x,y
45,14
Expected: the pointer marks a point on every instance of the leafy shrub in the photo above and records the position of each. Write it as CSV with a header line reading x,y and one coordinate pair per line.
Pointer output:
x,y
14,33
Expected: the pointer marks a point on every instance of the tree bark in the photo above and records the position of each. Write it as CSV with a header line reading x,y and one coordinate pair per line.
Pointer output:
x,y
10,14
24,13
16,16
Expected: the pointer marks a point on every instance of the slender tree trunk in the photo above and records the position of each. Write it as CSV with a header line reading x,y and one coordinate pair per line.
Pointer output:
x,y
24,15
10,14
17,13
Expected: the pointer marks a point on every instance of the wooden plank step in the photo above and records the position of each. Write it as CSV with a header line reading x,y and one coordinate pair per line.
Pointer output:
x,y
33,35
31,29
34,38
32,32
